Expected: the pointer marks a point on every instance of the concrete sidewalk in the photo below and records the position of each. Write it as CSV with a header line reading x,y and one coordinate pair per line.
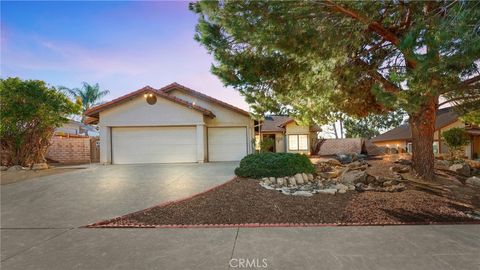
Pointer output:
x,y
40,222
394,247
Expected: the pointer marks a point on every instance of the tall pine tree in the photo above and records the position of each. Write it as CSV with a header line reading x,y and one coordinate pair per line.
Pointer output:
x,y
320,58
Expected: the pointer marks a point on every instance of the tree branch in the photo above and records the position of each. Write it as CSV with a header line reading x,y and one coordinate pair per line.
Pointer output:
x,y
373,26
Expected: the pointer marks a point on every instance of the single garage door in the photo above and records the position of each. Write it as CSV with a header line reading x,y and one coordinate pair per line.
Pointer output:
x,y
153,145
227,144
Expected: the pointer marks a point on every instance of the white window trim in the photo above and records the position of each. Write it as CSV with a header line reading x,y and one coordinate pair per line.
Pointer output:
x,y
298,142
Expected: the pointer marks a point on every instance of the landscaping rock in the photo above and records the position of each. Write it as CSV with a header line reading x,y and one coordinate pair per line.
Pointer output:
x,y
399,169
280,181
305,177
3,168
474,181
291,181
310,177
442,164
461,168
403,161
344,159
330,191
299,179
15,168
474,164
302,193
333,162
393,151
40,166
389,183
341,187
353,177
273,180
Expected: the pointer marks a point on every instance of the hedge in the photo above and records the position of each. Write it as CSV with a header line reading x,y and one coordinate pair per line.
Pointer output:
x,y
274,165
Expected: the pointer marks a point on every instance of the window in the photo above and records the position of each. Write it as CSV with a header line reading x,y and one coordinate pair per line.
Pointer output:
x,y
297,142
435,148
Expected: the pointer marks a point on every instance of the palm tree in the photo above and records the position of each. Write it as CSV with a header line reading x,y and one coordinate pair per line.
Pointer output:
x,y
88,95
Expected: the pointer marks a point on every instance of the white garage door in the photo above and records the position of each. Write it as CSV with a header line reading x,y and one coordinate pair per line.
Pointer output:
x,y
153,145
227,144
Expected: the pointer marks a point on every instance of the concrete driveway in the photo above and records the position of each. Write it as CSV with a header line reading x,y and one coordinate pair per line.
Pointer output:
x,y
100,192
40,222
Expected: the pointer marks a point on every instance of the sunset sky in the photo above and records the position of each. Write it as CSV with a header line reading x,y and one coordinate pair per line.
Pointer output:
x,y
121,45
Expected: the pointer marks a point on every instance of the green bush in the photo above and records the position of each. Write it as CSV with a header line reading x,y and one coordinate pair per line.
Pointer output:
x,y
274,165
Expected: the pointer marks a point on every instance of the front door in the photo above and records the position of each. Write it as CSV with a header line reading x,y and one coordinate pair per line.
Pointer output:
x,y
271,138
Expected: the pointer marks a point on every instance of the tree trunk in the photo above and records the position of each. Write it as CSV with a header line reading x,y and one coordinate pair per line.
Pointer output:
x,y
423,128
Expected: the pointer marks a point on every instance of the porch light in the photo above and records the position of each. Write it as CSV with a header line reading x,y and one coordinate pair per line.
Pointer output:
x,y
145,96
151,95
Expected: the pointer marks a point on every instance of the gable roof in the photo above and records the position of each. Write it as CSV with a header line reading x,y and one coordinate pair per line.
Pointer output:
x,y
94,111
177,86
444,118
273,123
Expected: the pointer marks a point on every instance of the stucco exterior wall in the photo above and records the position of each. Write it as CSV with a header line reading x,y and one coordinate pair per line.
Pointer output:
x,y
137,112
438,132
223,116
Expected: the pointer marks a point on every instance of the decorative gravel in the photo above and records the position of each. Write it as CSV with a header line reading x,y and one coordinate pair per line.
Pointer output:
x,y
243,201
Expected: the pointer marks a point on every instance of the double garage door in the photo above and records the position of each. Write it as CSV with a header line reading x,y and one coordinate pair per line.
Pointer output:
x,y
132,145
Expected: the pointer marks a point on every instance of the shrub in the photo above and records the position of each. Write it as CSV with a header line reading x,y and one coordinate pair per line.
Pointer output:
x,y
30,110
266,144
455,138
274,165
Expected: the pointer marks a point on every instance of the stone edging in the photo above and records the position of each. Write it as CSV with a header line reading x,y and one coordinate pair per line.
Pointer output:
x,y
108,223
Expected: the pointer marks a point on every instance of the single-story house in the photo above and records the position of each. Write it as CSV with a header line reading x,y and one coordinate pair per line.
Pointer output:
x,y
169,125
73,127
401,136
288,135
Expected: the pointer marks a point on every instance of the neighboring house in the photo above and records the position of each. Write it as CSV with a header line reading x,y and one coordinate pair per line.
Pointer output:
x,y
73,127
288,136
169,125
401,136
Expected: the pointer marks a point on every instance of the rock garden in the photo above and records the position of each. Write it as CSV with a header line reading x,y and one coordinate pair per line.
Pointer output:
x,y
345,173
292,188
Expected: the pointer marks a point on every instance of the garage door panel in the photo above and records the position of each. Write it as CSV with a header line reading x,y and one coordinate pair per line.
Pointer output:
x,y
153,145
227,144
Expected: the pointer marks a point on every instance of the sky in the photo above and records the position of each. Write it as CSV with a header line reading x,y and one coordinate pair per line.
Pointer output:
x,y
123,46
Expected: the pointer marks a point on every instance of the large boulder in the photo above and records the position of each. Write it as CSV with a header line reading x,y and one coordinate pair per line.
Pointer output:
x,y
460,168
441,164
3,168
344,159
353,177
393,151
474,181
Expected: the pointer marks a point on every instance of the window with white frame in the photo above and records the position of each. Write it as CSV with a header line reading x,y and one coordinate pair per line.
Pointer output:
x,y
297,142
